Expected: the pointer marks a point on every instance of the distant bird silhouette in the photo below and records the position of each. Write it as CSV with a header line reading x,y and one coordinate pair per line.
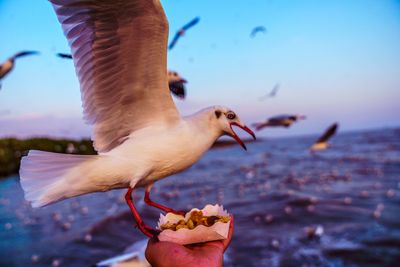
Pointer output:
x,y
256,30
63,55
322,142
9,64
176,84
182,31
175,81
272,93
279,121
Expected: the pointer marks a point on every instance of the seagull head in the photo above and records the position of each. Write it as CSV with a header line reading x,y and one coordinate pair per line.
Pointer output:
x,y
173,76
176,84
226,119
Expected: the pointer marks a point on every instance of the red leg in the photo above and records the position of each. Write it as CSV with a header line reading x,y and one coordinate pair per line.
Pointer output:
x,y
157,205
145,229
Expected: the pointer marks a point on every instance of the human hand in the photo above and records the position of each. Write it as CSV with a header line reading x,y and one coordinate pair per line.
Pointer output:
x,y
163,254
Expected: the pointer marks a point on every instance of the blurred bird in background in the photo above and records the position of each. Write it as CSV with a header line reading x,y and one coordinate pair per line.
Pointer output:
x,y
272,93
322,142
181,32
257,30
9,64
279,121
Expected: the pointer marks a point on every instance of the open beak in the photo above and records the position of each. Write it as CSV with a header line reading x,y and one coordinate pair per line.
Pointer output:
x,y
236,137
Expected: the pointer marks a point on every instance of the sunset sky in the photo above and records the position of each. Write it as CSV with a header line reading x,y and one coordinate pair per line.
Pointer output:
x,y
335,60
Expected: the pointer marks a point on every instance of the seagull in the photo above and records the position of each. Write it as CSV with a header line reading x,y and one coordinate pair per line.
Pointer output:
x,y
277,121
176,84
182,31
175,81
322,142
272,93
8,65
256,30
120,55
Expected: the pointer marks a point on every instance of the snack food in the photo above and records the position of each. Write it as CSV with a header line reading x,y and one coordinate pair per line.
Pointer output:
x,y
196,218
209,224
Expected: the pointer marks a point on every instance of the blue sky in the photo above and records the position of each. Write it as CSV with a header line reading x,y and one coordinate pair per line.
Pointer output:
x,y
335,60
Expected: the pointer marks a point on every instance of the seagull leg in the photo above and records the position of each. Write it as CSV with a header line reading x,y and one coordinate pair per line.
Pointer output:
x,y
145,229
149,202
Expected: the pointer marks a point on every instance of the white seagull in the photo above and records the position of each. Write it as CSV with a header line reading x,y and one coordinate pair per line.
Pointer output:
x,y
120,55
9,64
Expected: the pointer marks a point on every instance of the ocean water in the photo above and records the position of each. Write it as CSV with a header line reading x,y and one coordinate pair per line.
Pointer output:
x,y
278,192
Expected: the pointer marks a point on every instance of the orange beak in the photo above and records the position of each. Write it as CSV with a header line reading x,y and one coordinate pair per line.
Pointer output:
x,y
236,137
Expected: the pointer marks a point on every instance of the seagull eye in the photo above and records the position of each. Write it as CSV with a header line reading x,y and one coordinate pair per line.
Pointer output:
x,y
231,115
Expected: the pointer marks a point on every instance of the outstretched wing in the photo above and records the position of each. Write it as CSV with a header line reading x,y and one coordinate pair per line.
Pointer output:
x,y
272,93
274,90
174,41
191,23
63,55
25,53
181,31
119,50
328,133
280,117
257,30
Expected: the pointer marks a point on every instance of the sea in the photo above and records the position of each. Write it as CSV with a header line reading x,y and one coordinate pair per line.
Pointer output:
x,y
339,207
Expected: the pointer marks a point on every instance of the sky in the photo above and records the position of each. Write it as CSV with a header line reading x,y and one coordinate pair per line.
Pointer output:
x,y
335,61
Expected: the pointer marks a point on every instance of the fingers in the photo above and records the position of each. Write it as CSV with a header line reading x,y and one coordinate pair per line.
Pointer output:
x,y
156,250
227,241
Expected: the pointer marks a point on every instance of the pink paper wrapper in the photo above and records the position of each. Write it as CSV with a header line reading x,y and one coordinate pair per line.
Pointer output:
x,y
201,233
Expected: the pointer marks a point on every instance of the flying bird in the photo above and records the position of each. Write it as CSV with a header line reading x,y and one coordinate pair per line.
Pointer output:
x,y
279,121
175,81
63,55
272,93
322,142
177,84
9,64
120,54
182,31
256,30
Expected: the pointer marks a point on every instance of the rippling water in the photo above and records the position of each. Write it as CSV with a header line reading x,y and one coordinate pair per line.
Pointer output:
x,y
278,192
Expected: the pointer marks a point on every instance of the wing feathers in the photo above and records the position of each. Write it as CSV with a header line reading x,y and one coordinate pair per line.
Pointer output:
x,y
328,133
119,51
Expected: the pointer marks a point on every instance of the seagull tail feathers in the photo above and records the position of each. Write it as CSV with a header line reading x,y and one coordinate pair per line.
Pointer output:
x,y
258,126
46,177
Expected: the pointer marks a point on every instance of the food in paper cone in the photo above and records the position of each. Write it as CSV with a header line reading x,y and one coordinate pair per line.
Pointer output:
x,y
209,224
